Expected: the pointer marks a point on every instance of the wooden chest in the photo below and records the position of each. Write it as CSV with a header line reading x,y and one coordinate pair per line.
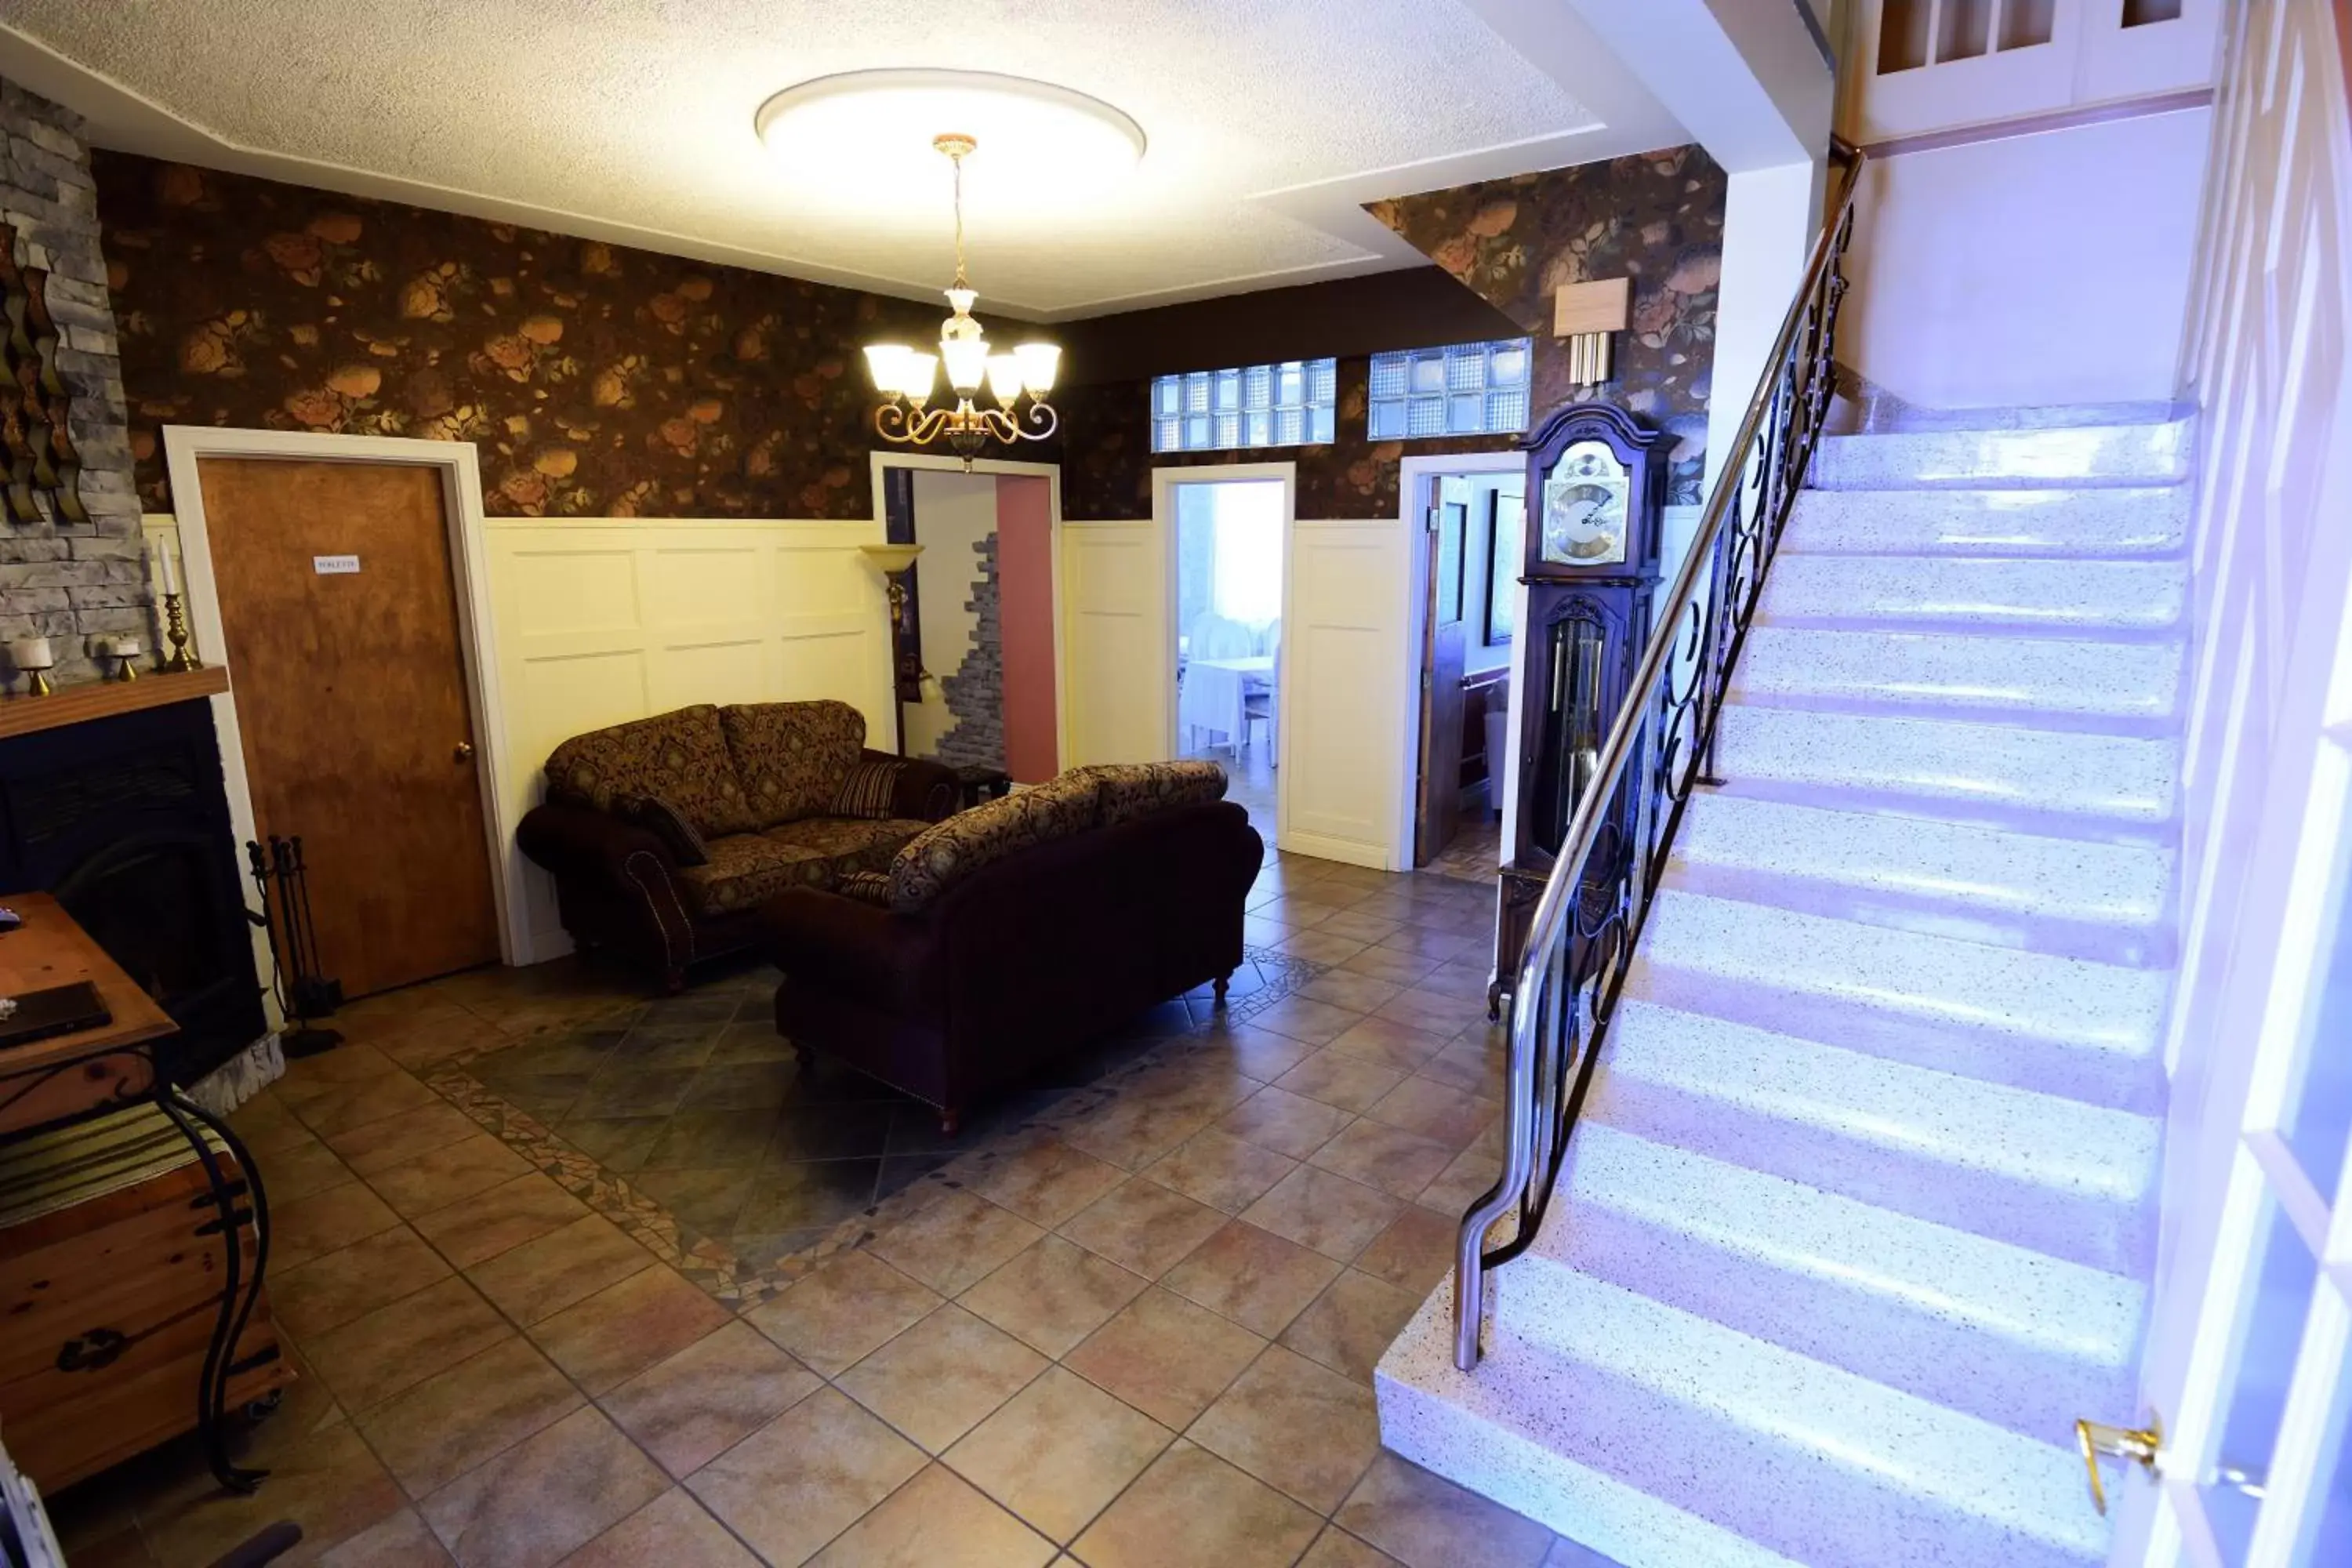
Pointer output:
x,y
112,1270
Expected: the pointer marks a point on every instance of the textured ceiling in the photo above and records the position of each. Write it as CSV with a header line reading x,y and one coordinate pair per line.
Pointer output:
x,y
1268,121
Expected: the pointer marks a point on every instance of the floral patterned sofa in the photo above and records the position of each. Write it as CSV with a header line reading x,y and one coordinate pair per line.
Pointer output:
x,y
667,835
1019,929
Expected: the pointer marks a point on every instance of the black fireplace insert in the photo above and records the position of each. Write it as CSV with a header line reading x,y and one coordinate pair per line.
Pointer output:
x,y
125,820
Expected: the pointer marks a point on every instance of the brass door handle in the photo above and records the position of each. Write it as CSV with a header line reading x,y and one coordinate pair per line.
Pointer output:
x,y
2139,1446
465,752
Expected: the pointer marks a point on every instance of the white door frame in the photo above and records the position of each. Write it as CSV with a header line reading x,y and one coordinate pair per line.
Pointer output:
x,y
1416,477
893,458
459,467
1164,480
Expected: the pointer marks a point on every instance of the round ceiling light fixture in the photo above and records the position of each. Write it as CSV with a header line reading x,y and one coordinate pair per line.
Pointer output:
x,y
872,131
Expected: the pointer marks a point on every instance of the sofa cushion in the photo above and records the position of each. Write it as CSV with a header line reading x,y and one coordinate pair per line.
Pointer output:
x,y
665,822
746,869
949,852
871,785
1129,790
793,756
853,843
681,756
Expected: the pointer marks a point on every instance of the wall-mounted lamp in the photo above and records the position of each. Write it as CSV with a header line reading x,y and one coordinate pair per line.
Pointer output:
x,y
893,561
1586,314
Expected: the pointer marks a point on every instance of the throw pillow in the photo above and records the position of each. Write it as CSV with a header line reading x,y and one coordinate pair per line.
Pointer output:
x,y
666,823
866,888
867,791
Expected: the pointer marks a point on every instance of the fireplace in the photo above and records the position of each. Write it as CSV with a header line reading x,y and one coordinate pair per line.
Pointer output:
x,y
125,820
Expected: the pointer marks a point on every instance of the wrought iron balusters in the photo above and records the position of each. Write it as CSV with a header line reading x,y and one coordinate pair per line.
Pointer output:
x,y
1660,747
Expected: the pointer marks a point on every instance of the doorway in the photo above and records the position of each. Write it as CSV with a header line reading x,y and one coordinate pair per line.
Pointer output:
x,y
1470,534
1229,547
340,622
974,648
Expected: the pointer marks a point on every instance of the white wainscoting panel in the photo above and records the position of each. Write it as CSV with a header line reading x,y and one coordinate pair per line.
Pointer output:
x,y
1346,702
604,620
1115,632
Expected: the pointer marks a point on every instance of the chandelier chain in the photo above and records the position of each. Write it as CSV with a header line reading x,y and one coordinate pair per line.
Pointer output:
x,y
955,161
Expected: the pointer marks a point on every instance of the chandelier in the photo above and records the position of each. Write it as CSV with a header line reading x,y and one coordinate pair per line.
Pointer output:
x,y
907,377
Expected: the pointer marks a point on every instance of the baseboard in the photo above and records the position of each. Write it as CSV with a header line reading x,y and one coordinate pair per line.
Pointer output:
x,y
1347,851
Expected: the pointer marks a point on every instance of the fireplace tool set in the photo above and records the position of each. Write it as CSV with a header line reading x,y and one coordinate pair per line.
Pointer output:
x,y
303,994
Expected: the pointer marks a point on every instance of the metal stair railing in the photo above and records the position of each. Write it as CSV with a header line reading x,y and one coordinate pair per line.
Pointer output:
x,y
1580,942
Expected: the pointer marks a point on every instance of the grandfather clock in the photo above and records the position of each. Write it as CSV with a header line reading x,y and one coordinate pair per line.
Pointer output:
x,y
1596,497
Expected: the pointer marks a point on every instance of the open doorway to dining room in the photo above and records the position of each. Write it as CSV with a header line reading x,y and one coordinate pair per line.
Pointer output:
x,y
1466,514
1228,585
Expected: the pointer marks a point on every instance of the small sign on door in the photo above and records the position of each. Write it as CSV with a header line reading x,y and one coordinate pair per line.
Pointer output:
x,y
335,565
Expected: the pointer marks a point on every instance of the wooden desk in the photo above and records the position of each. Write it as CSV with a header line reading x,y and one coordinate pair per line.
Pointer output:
x,y
66,1076
62,1098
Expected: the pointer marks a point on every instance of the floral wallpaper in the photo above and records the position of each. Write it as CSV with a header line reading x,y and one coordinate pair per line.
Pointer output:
x,y
1655,217
1106,458
597,380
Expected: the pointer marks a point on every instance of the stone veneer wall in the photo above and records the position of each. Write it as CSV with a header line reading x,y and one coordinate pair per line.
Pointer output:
x,y
975,692
75,584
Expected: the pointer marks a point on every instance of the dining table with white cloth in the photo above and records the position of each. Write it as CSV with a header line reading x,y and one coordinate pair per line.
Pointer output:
x,y
1213,691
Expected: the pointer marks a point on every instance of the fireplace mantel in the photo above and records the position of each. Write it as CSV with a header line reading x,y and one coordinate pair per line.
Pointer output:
x,y
103,698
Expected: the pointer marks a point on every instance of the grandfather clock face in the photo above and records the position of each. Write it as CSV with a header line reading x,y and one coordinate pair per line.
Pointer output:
x,y
1584,503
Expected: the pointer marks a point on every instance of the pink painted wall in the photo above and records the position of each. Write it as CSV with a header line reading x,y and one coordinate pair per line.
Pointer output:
x,y
1024,598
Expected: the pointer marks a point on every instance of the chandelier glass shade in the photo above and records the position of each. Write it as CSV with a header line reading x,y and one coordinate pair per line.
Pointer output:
x,y
907,378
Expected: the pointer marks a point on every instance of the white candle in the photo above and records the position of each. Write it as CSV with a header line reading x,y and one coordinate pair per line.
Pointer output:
x,y
125,647
167,578
32,653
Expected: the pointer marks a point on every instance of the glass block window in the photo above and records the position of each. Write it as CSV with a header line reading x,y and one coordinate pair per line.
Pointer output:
x,y
1466,389
1292,404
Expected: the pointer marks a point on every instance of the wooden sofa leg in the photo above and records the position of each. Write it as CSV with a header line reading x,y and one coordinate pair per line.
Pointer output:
x,y
951,1121
1223,981
673,981
804,1057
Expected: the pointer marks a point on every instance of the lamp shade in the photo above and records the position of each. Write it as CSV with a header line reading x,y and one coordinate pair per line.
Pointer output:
x,y
886,363
891,557
1038,364
967,363
1004,378
917,373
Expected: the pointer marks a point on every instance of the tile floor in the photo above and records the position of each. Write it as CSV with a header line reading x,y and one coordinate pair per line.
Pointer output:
x,y
702,1108
1132,1326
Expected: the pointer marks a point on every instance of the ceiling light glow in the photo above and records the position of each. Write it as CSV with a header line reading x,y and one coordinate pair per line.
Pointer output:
x,y
870,133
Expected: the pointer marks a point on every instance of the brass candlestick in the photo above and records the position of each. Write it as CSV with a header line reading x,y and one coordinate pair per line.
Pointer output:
x,y
175,632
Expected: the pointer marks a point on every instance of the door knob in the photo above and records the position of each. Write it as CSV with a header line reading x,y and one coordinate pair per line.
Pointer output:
x,y
2094,1438
465,752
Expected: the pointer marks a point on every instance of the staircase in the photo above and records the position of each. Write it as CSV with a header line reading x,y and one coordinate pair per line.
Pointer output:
x,y
1861,1209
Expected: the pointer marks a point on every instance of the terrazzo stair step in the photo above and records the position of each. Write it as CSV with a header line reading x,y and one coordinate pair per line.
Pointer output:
x,y
2077,455
1949,590
2016,1338
2082,898
1795,855
2058,1026
1995,767
2066,1179
2116,521
1424,1417
2124,681
1797,1456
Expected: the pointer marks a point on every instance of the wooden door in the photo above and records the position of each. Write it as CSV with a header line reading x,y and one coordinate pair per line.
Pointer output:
x,y
352,700
1438,816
